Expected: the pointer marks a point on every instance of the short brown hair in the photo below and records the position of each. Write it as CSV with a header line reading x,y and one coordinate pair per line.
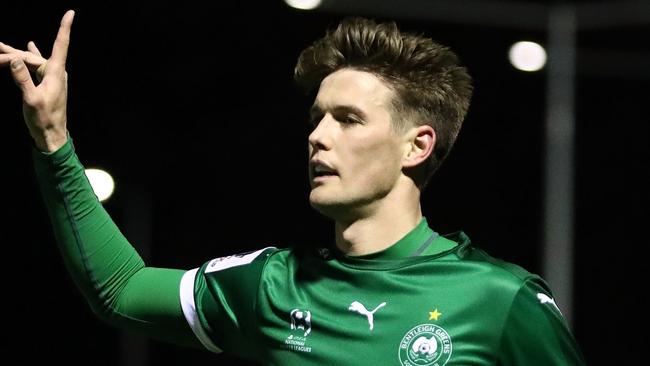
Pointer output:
x,y
431,86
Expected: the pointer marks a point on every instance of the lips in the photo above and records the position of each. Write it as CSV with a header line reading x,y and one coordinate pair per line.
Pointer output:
x,y
320,169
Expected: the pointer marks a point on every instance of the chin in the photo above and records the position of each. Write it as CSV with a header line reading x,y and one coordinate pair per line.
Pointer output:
x,y
333,209
326,207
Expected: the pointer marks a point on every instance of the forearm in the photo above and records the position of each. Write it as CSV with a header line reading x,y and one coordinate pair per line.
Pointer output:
x,y
49,140
105,267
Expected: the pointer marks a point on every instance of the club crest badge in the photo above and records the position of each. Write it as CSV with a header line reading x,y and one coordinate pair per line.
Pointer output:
x,y
425,345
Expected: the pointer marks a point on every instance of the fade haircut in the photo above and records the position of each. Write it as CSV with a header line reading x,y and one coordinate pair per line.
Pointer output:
x,y
430,85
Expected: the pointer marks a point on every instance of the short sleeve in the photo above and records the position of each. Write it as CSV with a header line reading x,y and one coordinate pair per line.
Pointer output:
x,y
535,332
219,302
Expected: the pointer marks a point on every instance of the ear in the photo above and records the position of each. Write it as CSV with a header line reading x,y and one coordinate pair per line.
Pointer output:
x,y
419,145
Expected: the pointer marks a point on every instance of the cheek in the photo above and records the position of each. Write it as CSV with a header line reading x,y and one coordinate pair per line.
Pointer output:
x,y
376,165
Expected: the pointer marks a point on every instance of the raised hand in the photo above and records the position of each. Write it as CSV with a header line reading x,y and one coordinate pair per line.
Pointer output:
x,y
44,105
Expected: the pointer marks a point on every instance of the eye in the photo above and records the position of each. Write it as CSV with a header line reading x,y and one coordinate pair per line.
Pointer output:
x,y
351,118
347,118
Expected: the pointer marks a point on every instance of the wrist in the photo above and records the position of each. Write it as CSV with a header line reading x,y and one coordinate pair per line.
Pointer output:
x,y
51,141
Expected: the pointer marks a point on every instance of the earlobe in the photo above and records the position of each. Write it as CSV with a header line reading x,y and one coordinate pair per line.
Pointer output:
x,y
422,140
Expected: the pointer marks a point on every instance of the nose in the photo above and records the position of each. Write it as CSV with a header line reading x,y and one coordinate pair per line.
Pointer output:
x,y
319,138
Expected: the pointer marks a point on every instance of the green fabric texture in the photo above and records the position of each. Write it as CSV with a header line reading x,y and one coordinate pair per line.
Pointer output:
x,y
113,278
457,306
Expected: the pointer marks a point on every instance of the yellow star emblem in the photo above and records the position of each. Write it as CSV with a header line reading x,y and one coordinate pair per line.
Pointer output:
x,y
434,315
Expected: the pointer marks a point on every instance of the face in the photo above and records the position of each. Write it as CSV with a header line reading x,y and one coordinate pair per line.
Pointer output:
x,y
355,154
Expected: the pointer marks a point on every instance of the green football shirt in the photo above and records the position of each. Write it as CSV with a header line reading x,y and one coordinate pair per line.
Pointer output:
x,y
427,300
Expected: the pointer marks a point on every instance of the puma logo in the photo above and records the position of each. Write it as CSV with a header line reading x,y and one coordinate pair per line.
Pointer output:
x,y
545,299
359,308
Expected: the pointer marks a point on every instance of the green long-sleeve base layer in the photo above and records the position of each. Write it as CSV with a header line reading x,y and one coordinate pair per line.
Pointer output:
x,y
103,264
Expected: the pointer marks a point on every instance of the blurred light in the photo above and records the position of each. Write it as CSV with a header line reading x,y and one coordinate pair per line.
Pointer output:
x,y
303,4
527,56
102,183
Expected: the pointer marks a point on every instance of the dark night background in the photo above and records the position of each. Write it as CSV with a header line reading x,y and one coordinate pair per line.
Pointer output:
x,y
193,111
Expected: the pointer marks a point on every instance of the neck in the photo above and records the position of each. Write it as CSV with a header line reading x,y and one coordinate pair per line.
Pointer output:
x,y
382,225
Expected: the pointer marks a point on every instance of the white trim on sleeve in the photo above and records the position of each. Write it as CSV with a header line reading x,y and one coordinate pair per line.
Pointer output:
x,y
189,310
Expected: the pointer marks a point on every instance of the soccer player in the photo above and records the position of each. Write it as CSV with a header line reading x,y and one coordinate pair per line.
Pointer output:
x,y
389,291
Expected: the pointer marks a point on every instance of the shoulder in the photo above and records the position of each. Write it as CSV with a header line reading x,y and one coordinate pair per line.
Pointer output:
x,y
239,259
509,270
522,291
496,272
256,263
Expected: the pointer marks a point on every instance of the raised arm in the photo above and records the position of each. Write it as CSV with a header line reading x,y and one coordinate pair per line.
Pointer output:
x,y
106,268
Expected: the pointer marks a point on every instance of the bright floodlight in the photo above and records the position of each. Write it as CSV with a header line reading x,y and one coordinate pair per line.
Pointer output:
x,y
527,56
303,4
101,182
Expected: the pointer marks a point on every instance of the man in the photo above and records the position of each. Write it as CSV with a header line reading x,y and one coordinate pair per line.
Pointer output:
x,y
389,291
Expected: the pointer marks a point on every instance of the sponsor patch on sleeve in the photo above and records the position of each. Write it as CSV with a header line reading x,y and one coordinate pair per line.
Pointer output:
x,y
234,260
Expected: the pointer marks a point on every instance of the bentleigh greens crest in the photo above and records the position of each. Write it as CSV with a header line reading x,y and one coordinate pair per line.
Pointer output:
x,y
425,345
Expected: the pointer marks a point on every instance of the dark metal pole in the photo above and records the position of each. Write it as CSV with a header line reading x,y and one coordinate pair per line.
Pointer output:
x,y
559,167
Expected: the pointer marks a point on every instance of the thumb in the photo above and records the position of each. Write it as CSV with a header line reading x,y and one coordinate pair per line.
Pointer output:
x,y
22,77
40,72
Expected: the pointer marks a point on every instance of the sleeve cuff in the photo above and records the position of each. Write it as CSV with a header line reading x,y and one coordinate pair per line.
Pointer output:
x,y
58,156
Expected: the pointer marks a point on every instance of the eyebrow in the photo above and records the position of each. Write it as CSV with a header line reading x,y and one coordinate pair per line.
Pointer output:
x,y
316,109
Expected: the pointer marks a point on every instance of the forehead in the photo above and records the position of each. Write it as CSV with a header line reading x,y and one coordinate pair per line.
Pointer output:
x,y
359,88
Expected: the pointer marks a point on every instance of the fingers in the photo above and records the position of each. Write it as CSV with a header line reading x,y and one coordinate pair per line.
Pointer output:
x,y
5,48
5,59
31,47
40,71
22,78
5,54
31,58
60,48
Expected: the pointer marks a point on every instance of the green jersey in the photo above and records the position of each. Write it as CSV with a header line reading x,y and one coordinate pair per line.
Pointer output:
x,y
427,300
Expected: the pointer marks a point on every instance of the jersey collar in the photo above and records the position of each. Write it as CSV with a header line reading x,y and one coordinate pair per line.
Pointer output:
x,y
421,241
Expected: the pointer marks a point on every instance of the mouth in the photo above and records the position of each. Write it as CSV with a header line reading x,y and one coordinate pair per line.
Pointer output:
x,y
321,171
